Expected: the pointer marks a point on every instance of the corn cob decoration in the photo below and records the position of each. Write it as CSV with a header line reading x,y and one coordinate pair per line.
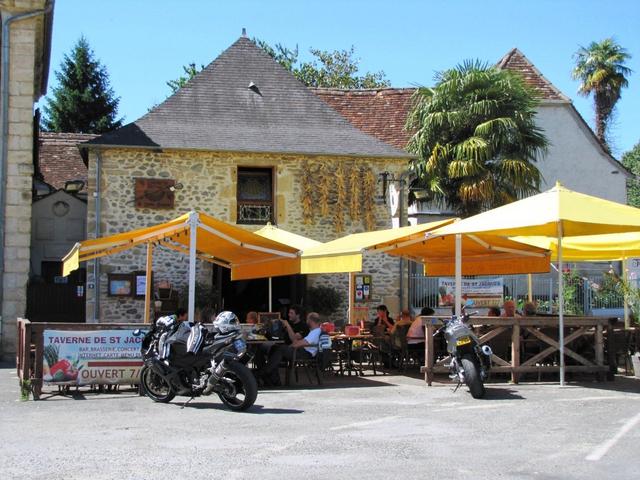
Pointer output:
x,y
368,189
307,194
324,187
354,183
341,195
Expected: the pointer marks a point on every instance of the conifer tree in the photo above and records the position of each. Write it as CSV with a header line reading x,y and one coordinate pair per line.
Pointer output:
x,y
83,101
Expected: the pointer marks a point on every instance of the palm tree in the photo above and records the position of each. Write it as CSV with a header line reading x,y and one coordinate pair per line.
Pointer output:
x,y
601,69
475,138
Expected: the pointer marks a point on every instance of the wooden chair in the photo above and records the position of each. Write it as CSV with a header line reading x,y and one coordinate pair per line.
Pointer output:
x,y
316,364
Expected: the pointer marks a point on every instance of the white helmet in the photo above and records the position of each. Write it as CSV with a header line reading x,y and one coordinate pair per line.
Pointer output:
x,y
226,322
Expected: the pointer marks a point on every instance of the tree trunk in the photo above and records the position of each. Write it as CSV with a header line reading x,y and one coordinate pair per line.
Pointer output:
x,y
601,121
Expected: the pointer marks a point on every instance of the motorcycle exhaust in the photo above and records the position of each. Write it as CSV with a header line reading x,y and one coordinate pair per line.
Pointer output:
x,y
486,349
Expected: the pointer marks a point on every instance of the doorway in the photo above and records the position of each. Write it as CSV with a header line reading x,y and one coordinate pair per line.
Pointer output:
x,y
243,296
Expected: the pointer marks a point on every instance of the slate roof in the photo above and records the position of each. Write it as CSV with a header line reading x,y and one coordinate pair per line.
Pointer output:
x,y
59,159
218,111
378,112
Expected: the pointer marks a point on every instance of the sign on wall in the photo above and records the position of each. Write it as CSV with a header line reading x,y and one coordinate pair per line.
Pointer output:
x,y
487,292
96,357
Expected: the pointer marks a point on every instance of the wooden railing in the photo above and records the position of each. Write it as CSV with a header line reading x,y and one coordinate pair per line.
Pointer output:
x,y
530,331
30,347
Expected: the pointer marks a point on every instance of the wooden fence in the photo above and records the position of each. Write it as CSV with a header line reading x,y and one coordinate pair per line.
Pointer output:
x,y
529,344
30,347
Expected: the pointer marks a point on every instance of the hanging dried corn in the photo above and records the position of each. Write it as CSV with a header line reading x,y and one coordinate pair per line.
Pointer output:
x,y
354,192
324,188
307,194
368,192
341,195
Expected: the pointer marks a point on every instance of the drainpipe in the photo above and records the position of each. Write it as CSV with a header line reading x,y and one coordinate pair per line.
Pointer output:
x,y
401,223
96,261
7,19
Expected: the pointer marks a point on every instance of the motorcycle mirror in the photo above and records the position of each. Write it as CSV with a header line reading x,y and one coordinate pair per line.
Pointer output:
x,y
137,332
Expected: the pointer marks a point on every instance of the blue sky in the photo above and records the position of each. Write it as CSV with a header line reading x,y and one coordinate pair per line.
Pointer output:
x,y
144,43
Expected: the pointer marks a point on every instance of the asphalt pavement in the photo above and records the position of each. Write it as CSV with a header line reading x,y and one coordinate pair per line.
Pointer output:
x,y
387,427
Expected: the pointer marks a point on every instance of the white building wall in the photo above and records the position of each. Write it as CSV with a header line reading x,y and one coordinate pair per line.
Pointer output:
x,y
58,222
575,158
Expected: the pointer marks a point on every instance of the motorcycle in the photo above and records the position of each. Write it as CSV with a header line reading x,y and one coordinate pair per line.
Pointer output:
x,y
216,368
470,361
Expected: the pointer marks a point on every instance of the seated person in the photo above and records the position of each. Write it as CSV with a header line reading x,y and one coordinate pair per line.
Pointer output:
x,y
405,319
493,312
383,322
295,328
529,309
251,318
415,335
510,309
306,348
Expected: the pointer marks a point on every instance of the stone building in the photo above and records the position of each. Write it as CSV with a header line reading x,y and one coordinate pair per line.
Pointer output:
x,y
26,42
247,143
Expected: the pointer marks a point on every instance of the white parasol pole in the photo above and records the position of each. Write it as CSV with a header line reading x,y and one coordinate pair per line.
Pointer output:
x,y
193,231
458,273
561,305
270,295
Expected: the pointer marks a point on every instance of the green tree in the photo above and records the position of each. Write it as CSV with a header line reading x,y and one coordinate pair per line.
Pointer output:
x,y
602,71
330,69
83,101
190,71
475,138
631,160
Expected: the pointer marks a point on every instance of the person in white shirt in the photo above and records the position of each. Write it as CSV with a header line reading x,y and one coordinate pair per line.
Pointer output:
x,y
415,334
307,348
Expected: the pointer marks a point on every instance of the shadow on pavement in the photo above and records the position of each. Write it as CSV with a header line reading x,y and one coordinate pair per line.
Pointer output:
x,y
620,384
255,409
500,393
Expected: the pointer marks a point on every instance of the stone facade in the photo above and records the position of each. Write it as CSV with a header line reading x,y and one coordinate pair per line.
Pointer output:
x,y
209,180
25,50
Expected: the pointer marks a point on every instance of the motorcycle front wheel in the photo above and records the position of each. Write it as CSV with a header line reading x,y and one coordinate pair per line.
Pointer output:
x,y
240,388
472,376
155,387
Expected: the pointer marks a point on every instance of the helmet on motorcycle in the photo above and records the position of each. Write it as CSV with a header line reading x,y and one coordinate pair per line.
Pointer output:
x,y
226,322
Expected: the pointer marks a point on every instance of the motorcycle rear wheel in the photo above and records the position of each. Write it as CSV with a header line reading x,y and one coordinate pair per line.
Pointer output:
x,y
244,389
155,387
472,376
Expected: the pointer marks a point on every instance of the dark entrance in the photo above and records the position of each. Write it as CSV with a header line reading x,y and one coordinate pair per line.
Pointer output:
x,y
53,298
246,295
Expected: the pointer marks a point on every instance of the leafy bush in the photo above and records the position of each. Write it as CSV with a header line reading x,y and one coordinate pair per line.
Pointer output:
x,y
324,300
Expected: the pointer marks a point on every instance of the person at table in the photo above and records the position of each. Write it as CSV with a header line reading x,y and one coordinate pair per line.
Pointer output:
x,y
493,312
295,328
509,308
306,348
415,335
251,318
405,319
529,309
383,322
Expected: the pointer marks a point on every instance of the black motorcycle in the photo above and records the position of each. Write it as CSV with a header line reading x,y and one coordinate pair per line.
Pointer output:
x,y
470,362
215,368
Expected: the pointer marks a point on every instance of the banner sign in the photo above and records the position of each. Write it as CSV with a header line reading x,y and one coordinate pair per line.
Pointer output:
x,y
91,357
477,292
633,271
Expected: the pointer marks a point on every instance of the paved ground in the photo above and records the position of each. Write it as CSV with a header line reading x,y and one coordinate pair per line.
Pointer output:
x,y
377,427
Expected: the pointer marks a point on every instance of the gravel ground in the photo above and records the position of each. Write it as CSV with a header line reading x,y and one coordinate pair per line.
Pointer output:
x,y
374,427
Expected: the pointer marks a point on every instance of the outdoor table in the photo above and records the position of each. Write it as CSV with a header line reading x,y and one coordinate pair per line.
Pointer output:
x,y
349,364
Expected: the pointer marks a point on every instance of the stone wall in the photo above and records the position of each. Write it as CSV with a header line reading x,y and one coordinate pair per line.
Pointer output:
x,y
209,180
22,80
